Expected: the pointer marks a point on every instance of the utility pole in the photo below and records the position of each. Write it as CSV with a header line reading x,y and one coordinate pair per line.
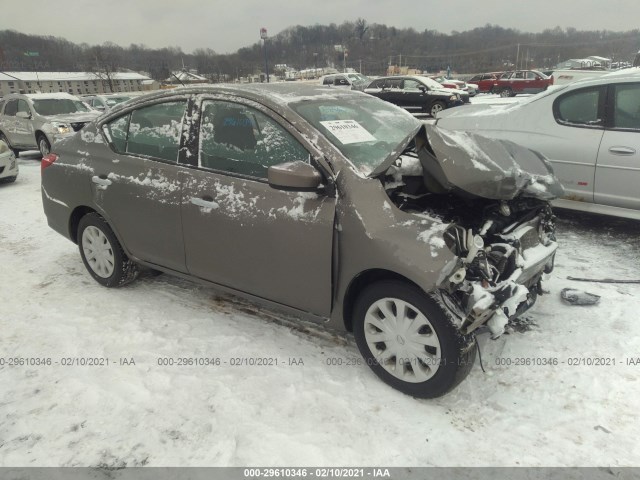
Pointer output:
x,y
517,56
263,36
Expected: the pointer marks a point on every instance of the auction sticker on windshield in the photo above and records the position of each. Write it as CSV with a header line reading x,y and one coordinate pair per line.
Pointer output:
x,y
348,131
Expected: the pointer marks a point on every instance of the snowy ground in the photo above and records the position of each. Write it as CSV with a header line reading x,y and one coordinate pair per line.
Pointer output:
x,y
311,414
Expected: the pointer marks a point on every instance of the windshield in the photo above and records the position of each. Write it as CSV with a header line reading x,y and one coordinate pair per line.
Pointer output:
x,y
429,82
58,106
111,101
365,129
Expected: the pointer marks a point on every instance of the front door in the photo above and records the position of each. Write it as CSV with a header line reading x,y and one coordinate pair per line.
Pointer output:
x,y
240,232
618,169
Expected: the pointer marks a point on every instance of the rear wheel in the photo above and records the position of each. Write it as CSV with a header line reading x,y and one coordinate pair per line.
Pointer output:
x,y
409,341
102,254
43,145
436,108
506,92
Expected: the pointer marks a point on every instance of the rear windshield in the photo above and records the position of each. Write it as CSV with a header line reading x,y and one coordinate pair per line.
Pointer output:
x,y
58,106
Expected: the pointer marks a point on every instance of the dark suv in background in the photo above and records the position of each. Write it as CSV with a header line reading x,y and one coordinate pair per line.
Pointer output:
x,y
416,93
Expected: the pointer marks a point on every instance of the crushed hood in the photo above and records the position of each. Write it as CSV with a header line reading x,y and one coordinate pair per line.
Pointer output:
x,y
483,167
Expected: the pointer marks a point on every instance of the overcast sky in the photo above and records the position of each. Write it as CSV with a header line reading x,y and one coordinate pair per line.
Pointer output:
x,y
228,25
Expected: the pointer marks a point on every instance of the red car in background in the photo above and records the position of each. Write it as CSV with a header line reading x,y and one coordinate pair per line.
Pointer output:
x,y
486,81
511,84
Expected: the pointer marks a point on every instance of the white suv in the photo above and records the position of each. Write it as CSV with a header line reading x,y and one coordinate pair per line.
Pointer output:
x,y
36,121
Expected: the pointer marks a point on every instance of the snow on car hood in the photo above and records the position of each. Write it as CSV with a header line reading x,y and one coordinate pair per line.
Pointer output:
x,y
486,167
73,117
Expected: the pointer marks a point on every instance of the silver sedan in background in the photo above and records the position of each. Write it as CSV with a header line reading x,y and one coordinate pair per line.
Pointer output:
x,y
589,130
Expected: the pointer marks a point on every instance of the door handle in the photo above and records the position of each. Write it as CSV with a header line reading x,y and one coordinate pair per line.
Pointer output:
x,y
622,150
206,202
102,182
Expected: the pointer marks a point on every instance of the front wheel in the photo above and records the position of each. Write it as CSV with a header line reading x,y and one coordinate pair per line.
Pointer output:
x,y
436,108
102,254
43,145
408,340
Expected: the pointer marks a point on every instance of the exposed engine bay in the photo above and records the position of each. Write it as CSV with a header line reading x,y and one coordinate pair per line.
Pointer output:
x,y
502,245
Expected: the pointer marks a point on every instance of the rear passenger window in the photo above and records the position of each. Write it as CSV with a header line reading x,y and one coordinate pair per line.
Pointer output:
x,y
117,133
579,108
151,131
11,108
238,139
627,107
155,131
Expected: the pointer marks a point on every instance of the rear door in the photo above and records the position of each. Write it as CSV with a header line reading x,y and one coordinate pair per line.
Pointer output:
x,y
240,232
618,169
138,187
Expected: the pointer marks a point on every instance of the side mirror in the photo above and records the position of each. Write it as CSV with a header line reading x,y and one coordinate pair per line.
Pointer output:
x,y
24,115
296,175
100,108
422,88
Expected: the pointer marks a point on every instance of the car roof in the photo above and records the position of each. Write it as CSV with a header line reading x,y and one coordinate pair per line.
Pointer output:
x,y
275,95
281,93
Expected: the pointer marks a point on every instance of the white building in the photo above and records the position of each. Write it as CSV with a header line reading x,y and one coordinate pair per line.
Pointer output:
x,y
75,83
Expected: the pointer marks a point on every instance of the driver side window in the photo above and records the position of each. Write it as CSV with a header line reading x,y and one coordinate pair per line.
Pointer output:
x,y
239,139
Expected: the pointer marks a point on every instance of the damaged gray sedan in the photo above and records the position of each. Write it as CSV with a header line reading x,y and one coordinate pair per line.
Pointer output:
x,y
332,206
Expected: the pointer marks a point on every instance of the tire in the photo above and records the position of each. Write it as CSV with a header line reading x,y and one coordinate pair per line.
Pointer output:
x,y
506,92
43,145
102,254
431,369
436,108
15,151
8,179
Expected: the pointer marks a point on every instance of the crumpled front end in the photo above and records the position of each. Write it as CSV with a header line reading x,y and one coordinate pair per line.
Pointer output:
x,y
495,198
499,267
